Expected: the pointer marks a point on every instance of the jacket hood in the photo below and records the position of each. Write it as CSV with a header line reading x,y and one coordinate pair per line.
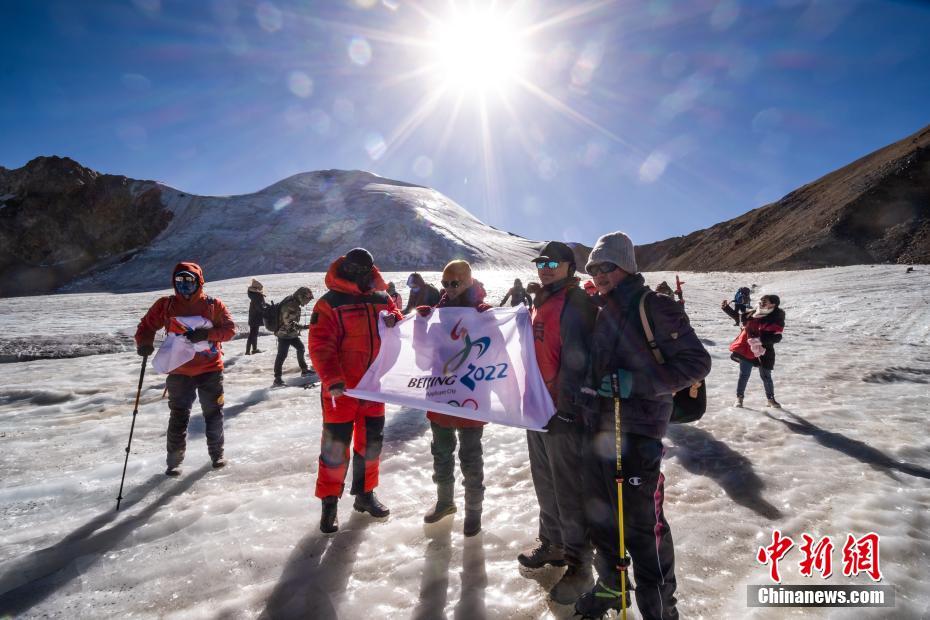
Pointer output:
x,y
335,282
303,295
195,269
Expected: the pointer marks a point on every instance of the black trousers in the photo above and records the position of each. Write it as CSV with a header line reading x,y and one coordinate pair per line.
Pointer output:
x,y
556,464
284,345
471,461
647,537
251,344
182,390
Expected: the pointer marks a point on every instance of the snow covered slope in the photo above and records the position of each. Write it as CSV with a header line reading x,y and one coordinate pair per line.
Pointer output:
x,y
848,454
303,223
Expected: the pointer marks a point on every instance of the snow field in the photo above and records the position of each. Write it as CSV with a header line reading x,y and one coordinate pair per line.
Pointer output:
x,y
848,453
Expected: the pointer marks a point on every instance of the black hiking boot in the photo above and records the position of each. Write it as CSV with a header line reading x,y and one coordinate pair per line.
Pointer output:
x,y
173,471
577,580
472,523
329,521
278,382
219,463
440,511
542,554
368,502
306,372
600,600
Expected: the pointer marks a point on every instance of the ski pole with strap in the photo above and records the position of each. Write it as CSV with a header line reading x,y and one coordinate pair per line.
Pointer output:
x,y
135,411
623,563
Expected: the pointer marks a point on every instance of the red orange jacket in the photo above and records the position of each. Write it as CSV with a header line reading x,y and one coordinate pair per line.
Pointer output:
x,y
343,337
200,304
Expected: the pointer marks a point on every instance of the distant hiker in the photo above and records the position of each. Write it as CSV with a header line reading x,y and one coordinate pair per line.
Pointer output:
x,y
461,290
202,377
517,295
755,344
394,295
629,380
421,293
909,270
256,294
532,289
741,302
288,333
664,289
563,318
344,340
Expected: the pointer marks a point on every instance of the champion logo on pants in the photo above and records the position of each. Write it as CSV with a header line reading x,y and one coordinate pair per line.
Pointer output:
x,y
635,481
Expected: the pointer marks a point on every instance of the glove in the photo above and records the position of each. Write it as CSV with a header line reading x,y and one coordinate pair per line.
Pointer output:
x,y
390,320
337,389
197,335
626,385
424,311
145,350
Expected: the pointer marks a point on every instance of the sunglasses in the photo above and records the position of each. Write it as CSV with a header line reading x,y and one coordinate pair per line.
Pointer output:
x,y
451,284
185,279
551,264
602,268
355,270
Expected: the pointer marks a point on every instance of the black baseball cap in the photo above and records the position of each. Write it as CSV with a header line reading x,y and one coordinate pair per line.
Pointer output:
x,y
556,250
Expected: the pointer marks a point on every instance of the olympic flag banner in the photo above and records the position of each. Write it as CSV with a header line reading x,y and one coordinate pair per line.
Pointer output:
x,y
470,364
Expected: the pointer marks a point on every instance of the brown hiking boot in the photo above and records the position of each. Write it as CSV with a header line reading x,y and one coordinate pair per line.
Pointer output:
x,y
542,554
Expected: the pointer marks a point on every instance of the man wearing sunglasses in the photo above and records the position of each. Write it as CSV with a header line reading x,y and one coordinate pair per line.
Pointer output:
x,y
644,389
202,376
563,317
343,342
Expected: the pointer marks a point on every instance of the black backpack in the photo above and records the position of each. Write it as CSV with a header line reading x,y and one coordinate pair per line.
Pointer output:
x,y
271,316
689,403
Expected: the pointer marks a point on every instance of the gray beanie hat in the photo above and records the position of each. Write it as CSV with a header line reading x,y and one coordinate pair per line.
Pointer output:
x,y
616,248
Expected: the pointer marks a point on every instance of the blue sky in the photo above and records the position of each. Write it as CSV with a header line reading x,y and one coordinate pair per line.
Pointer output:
x,y
657,118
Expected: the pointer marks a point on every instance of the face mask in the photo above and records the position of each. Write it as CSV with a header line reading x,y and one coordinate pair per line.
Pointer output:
x,y
185,283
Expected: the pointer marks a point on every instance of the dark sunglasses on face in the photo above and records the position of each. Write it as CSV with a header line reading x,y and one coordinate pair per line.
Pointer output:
x,y
354,269
551,264
180,279
451,284
602,268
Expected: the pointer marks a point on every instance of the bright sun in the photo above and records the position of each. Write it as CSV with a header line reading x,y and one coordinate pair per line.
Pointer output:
x,y
478,51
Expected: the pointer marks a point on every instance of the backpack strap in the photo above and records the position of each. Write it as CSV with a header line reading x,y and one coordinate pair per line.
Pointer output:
x,y
647,329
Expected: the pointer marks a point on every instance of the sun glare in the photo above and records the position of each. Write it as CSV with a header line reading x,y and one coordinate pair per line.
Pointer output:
x,y
477,51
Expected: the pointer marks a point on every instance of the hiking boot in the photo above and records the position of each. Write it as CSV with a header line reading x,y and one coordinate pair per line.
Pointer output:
x,y
542,554
254,351
368,502
774,403
598,601
577,580
306,371
329,522
219,463
739,402
174,471
278,382
439,512
472,523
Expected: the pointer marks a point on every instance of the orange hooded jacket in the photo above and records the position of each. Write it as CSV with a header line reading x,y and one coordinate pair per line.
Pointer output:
x,y
200,304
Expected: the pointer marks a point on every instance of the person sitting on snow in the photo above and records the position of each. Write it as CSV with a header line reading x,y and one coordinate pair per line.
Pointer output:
x,y
202,376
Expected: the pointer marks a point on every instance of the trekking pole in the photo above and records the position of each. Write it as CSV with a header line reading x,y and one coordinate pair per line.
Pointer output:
x,y
623,563
135,410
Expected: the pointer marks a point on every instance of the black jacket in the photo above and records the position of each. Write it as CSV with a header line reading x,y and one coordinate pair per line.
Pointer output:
x,y
619,342
766,328
256,301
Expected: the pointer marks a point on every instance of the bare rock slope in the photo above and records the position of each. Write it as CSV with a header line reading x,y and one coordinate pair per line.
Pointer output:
x,y
875,210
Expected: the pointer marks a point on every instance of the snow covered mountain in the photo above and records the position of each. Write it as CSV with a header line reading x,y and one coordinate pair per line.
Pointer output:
x,y
848,454
299,224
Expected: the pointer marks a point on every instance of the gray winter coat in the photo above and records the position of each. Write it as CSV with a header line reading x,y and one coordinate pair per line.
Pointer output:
x,y
290,311
620,343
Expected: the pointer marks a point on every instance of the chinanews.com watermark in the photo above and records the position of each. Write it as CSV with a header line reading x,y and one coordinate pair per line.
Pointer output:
x,y
858,556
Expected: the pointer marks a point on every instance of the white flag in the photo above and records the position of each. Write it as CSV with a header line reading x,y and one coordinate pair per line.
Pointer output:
x,y
458,361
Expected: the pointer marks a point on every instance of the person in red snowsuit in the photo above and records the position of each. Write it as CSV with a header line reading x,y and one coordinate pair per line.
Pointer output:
x,y
202,376
343,342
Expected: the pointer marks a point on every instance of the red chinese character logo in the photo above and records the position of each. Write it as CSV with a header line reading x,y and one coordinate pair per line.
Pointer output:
x,y
861,556
819,556
774,552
